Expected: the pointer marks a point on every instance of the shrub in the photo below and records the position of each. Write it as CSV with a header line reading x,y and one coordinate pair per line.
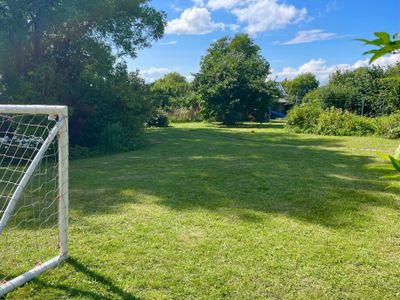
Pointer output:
x,y
335,121
387,101
78,152
332,121
360,126
184,115
159,120
389,126
337,96
303,118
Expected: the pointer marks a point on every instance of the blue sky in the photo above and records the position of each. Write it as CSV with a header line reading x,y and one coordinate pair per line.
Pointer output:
x,y
295,36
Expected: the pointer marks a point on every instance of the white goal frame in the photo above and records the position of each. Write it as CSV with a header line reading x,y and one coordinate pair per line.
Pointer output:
x,y
59,132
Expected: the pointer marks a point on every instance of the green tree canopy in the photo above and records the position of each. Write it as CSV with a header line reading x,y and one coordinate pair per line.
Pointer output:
x,y
372,90
300,86
66,52
232,80
171,91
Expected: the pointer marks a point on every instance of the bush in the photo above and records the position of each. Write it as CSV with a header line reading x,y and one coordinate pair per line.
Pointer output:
x,y
78,152
184,115
115,139
389,126
332,121
387,101
335,121
159,120
303,118
337,96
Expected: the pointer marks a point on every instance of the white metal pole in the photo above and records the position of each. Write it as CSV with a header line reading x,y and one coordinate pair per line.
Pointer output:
x,y
63,187
20,280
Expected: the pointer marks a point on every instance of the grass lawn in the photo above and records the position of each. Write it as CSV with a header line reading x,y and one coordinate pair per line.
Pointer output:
x,y
207,212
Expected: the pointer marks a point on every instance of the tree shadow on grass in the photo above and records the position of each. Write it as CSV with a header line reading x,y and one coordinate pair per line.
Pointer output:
x,y
235,172
114,291
255,125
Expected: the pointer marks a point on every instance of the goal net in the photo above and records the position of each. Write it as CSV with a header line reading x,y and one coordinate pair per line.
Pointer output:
x,y
33,191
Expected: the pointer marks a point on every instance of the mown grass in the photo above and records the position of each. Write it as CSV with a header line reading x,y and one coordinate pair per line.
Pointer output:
x,y
208,212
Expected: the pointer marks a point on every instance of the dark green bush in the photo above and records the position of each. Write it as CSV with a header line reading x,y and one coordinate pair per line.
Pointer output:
x,y
78,152
159,120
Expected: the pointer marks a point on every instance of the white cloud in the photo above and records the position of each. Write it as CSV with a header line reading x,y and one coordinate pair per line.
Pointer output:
x,y
153,73
309,36
195,20
227,4
190,77
260,15
264,15
234,27
176,8
322,71
168,43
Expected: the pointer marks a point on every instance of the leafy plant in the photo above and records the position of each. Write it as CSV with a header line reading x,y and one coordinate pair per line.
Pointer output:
x,y
300,86
384,42
159,120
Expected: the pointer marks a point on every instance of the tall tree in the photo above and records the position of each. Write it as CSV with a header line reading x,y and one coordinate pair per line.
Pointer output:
x,y
65,52
232,80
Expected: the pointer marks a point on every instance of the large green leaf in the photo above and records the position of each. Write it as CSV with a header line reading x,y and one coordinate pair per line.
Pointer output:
x,y
384,36
377,42
397,153
395,162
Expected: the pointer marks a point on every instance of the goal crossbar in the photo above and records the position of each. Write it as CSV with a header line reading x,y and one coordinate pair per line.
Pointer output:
x,y
60,133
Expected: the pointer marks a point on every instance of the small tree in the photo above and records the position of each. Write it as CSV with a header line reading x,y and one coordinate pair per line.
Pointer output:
x,y
300,86
232,80
171,90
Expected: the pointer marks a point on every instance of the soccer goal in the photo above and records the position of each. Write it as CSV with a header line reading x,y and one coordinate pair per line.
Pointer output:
x,y
33,191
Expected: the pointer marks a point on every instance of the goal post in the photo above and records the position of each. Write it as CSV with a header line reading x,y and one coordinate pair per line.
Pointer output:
x,y
33,191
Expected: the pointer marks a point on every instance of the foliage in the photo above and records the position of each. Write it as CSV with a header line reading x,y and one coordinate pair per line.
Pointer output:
x,y
78,152
308,118
388,98
171,91
184,115
61,52
300,86
384,43
335,121
231,81
389,126
303,118
160,119
375,88
334,95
